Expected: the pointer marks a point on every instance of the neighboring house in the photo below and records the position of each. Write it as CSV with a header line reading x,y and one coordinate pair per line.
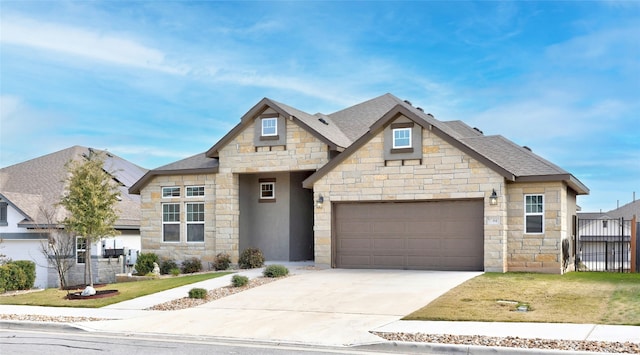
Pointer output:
x,y
377,185
32,189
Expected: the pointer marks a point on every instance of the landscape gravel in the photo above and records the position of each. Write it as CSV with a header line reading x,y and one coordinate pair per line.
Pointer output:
x,y
510,342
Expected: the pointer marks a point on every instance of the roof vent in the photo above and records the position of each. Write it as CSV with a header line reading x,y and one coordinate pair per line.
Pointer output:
x,y
408,102
527,148
323,121
478,129
420,109
430,114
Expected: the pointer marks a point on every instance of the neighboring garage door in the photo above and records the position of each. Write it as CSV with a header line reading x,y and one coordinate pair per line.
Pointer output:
x,y
438,235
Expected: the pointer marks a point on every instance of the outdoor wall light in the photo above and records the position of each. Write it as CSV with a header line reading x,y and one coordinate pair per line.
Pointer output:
x,y
320,201
493,199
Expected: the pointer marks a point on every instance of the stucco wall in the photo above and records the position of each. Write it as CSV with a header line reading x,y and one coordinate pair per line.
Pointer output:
x,y
444,173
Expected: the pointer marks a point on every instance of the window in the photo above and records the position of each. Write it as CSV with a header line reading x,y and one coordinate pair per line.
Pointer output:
x,y
81,250
605,223
195,222
171,222
534,214
170,192
402,138
3,214
267,190
194,191
270,126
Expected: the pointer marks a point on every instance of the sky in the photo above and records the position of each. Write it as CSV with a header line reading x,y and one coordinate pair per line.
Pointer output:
x,y
157,81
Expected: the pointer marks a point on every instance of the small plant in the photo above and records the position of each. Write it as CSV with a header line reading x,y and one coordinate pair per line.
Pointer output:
x,y
275,271
222,261
239,280
167,265
175,271
251,258
144,264
192,265
200,293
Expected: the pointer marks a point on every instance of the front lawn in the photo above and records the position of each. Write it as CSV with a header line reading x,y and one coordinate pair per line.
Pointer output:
x,y
128,290
577,297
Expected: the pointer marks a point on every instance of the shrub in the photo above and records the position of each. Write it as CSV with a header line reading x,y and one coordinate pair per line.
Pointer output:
x,y
251,258
275,271
29,268
167,265
222,261
144,264
198,293
192,265
175,271
12,277
239,280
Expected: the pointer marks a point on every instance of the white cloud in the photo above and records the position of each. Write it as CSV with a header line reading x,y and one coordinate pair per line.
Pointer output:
x,y
81,42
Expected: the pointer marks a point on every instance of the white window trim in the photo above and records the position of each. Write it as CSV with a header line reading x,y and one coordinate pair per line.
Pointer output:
x,y
187,222
186,191
84,250
172,222
170,187
275,120
393,133
273,190
527,214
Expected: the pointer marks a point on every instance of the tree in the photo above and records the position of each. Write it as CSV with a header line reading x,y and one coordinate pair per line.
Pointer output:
x,y
90,199
58,248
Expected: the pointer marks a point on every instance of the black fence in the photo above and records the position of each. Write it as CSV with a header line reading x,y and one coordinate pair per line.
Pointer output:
x,y
606,245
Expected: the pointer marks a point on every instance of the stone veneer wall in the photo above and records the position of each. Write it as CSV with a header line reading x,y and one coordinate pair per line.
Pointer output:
x,y
303,152
445,173
151,223
538,252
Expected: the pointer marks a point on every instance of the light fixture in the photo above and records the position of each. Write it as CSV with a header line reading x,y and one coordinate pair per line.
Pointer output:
x,y
320,201
493,199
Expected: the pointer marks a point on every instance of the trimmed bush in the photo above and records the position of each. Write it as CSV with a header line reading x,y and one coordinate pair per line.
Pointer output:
x,y
275,271
144,264
222,261
239,280
12,277
167,265
175,271
29,268
251,258
198,293
192,265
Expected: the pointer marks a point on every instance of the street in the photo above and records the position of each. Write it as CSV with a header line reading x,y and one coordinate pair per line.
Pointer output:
x,y
56,342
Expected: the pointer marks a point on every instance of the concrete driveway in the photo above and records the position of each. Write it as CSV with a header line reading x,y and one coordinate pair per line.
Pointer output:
x,y
324,307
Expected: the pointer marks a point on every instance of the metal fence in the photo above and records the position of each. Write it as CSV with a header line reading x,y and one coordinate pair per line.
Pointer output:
x,y
605,245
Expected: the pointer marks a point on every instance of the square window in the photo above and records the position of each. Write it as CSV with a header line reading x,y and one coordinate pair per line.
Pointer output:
x,y
170,192
270,126
194,191
534,214
267,190
402,138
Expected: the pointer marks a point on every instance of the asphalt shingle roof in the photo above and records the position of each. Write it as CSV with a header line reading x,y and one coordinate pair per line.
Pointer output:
x,y
40,182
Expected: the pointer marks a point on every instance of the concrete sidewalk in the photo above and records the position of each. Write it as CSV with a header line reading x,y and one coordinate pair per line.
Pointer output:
x,y
332,307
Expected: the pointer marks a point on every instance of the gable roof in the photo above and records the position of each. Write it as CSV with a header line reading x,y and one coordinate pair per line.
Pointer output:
x,y
41,182
627,211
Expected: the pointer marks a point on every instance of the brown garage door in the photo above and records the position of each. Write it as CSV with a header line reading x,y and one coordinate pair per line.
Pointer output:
x,y
442,235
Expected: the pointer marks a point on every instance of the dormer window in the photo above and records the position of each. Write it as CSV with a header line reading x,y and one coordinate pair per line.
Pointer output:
x,y
401,138
269,126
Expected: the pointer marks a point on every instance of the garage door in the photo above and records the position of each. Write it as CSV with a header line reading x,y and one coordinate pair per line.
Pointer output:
x,y
442,235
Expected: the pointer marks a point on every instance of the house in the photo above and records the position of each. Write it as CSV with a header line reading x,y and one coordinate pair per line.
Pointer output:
x,y
380,184
29,193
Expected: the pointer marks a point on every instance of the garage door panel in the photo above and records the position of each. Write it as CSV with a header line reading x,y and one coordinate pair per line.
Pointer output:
x,y
439,235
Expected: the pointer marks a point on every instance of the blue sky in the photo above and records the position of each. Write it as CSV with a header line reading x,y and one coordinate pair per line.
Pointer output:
x,y
155,82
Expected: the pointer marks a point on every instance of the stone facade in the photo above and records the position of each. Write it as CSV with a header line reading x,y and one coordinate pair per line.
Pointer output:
x,y
443,173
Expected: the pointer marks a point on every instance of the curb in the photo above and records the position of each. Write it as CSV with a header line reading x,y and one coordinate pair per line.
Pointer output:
x,y
30,325
436,348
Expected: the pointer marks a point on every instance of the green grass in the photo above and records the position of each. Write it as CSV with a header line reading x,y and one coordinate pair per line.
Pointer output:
x,y
128,290
577,297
